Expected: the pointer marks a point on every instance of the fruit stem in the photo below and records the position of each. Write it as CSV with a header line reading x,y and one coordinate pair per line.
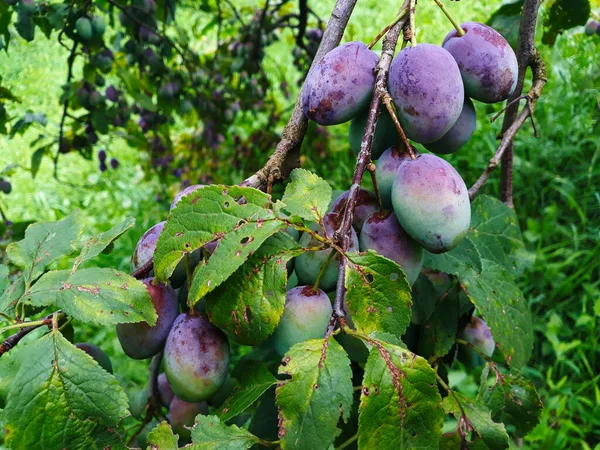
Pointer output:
x,y
382,33
323,269
349,441
456,25
413,30
387,101
371,168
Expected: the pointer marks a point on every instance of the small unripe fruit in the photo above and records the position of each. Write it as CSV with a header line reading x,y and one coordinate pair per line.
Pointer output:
x,y
84,28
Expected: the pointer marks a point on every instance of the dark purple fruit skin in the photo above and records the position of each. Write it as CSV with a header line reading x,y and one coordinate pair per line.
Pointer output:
x,y
459,134
182,415
486,60
144,250
427,88
196,357
382,232
341,84
165,393
140,340
478,334
387,166
98,354
366,204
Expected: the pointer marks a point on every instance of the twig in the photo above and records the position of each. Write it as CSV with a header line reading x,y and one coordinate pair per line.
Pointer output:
x,y
411,19
372,168
13,340
286,156
383,32
454,23
388,102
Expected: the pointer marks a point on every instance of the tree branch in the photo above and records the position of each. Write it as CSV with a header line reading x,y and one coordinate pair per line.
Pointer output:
x,y
286,156
13,340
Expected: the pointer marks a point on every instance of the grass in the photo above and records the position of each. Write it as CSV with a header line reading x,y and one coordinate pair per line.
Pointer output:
x,y
557,198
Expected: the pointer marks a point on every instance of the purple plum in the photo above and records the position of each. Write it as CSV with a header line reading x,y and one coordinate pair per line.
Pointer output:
x,y
387,166
385,135
98,354
182,415
459,134
165,393
366,204
186,191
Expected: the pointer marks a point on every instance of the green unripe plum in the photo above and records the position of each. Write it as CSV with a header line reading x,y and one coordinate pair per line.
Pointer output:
x,y
385,135
98,354
308,265
98,25
305,316
387,166
84,28
196,358
432,203
182,415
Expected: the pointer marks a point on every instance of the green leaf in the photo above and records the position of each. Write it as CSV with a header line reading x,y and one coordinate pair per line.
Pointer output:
x,y
463,259
562,15
97,295
439,332
12,295
514,401
489,434
96,244
424,297
4,281
254,382
162,438
378,295
44,243
318,392
307,195
61,398
36,159
248,307
506,312
400,406
507,20
210,433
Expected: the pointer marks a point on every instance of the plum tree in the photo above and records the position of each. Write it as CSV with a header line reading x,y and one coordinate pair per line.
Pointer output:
x,y
165,393
308,264
341,84
366,204
385,135
140,340
182,415
427,88
186,191
478,334
431,202
487,62
196,357
387,166
382,232
305,316
459,134
98,354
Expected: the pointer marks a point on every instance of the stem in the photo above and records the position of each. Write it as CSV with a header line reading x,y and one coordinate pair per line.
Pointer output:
x,y
349,441
7,317
13,340
35,324
456,25
413,37
383,32
387,101
372,170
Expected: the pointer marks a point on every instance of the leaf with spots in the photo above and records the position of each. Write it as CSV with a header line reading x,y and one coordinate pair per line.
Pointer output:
x,y
487,433
317,393
61,398
378,295
44,243
255,378
439,332
501,303
97,295
95,245
513,400
400,406
248,307
307,195
463,259
162,438
12,295
4,280
210,433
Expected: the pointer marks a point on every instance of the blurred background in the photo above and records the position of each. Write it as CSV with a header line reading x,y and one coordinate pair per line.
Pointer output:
x,y
204,102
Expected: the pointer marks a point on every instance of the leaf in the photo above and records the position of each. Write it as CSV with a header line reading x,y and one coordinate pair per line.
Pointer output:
x,y
162,438
96,244
439,332
36,159
378,295
214,213
400,406
514,401
490,435
4,281
562,15
424,297
507,20
12,295
254,382
97,295
307,195
210,433
318,392
61,398
463,259
506,312
248,307
44,243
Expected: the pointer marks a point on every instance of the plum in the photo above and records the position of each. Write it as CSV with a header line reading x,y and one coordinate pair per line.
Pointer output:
x,y
385,133
427,88
591,27
186,191
366,204
459,134
478,334
308,265
382,232
340,85
140,340
84,28
387,166
305,316
165,393
182,415
196,357
488,64
431,202
98,354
